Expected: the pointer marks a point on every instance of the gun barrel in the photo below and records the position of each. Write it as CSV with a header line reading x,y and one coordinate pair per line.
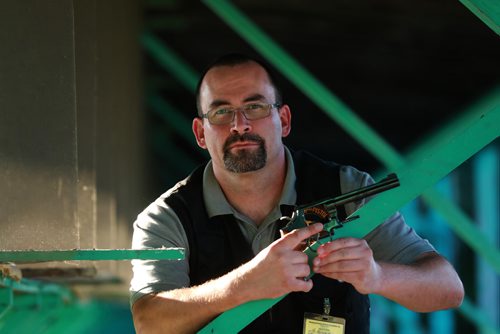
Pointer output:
x,y
389,182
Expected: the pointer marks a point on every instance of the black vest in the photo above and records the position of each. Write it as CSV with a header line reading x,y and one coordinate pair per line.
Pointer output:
x,y
217,246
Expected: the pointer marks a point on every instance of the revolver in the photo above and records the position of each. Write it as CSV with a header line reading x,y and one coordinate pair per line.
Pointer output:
x,y
325,211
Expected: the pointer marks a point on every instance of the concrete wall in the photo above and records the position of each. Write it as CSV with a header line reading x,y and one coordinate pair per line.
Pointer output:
x,y
72,160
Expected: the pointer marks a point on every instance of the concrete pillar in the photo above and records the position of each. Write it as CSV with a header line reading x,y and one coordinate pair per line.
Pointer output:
x,y
72,144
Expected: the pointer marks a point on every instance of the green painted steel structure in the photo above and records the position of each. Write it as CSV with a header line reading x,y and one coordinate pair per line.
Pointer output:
x,y
461,224
318,93
338,111
422,174
30,306
345,117
91,255
55,303
486,10
170,61
33,306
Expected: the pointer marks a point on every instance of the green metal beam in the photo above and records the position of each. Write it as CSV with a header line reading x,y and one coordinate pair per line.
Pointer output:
x,y
421,175
177,161
173,117
487,11
41,307
477,317
91,255
179,123
459,222
170,61
27,286
395,159
484,104
27,294
303,79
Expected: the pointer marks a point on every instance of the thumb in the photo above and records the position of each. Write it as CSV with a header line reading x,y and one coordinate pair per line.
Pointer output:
x,y
296,237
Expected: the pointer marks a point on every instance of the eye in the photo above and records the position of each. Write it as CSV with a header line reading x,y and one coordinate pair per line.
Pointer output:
x,y
254,106
221,112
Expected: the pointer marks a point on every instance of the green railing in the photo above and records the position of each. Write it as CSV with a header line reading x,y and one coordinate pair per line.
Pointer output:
x,y
91,255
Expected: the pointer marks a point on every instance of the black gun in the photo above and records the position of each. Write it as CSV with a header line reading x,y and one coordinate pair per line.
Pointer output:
x,y
325,211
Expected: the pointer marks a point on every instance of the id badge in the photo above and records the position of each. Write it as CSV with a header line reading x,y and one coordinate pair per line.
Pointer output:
x,y
323,324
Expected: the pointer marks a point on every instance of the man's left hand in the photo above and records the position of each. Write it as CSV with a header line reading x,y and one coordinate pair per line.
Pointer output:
x,y
349,260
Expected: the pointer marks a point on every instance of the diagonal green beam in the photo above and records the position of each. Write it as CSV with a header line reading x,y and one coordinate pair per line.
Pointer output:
x,y
170,61
173,117
475,316
185,74
487,11
91,254
459,222
456,219
488,102
177,159
420,174
450,209
415,179
341,114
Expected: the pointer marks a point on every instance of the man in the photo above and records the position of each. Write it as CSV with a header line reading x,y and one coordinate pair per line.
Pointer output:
x,y
226,215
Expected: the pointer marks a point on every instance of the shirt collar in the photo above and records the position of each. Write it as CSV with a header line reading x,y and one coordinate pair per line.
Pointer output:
x,y
217,204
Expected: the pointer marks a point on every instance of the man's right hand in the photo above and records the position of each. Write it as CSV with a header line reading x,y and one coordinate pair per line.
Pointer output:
x,y
280,268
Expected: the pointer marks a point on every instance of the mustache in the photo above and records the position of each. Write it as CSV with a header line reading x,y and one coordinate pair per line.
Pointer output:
x,y
244,137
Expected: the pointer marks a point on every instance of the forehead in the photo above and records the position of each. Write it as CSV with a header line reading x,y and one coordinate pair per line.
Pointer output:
x,y
233,84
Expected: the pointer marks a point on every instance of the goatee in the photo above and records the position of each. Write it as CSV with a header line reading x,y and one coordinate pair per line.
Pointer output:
x,y
244,160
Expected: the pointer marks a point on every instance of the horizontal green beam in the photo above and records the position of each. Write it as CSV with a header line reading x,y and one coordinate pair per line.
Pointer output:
x,y
487,11
91,255
415,179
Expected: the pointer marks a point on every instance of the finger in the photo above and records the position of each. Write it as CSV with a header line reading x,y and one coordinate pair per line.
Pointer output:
x,y
360,255
341,267
351,253
294,238
302,285
340,243
357,279
302,270
295,258
349,277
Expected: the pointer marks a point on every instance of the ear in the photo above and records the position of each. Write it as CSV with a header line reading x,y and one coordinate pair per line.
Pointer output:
x,y
199,132
286,120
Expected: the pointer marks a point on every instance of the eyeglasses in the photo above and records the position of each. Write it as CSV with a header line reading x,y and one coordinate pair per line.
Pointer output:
x,y
251,111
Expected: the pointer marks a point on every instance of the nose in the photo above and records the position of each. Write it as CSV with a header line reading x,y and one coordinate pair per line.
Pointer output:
x,y
240,123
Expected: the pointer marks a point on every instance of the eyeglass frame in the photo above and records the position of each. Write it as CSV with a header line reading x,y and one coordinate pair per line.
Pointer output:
x,y
243,112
